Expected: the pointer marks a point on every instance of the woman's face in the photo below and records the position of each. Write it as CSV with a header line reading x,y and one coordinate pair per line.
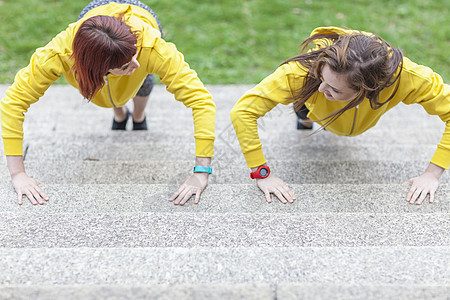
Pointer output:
x,y
128,68
335,86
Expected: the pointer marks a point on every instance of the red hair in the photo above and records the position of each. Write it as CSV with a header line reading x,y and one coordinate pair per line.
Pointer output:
x,y
101,43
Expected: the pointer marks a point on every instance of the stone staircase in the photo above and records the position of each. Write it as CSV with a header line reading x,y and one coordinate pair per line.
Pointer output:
x,y
109,230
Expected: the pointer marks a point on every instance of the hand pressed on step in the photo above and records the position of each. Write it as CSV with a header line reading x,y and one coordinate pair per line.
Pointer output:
x,y
25,185
194,185
22,183
274,185
425,184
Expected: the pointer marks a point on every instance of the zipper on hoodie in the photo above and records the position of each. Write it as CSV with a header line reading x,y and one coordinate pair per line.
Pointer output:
x,y
354,120
109,91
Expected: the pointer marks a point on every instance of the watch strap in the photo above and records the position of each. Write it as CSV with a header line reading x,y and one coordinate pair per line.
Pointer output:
x,y
257,173
201,169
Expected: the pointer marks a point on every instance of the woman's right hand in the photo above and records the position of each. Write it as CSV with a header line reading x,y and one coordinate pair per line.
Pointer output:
x,y
26,185
22,183
274,185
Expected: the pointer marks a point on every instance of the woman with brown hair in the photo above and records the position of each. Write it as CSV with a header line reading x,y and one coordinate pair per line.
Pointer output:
x,y
345,83
109,55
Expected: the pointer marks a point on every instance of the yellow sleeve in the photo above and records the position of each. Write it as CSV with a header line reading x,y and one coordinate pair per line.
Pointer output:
x,y
429,90
168,63
29,85
274,89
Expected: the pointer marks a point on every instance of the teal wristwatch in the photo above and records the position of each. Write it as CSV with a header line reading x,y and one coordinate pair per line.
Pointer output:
x,y
200,169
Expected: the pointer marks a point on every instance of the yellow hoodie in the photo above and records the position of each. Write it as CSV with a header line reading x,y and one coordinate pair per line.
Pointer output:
x,y
418,84
155,56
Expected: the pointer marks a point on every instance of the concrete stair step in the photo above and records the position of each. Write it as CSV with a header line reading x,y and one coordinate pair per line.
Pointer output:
x,y
139,291
137,266
181,118
160,146
171,109
65,98
65,94
227,199
62,109
174,171
187,230
352,292
79,151
225,291
61,94
378,136
379,144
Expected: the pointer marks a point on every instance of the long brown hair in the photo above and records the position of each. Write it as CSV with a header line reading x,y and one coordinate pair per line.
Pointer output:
x,y
368,62
101,43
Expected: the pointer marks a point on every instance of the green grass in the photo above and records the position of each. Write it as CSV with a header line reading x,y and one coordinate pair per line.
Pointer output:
x,y
242,41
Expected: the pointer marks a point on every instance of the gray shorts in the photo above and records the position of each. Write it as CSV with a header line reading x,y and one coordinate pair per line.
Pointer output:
x,y
147,86
97,3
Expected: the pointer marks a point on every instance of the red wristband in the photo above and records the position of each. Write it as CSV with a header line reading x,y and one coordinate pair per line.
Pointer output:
x,y
261,172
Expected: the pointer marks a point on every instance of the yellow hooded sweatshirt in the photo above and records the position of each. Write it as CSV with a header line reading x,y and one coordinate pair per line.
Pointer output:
x,y
418,84
155,56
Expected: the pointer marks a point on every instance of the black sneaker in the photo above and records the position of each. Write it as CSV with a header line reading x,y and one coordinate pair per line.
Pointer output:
x,y
140,125
121,125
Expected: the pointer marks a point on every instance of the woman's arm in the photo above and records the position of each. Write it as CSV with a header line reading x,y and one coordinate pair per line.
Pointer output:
x,y
30,84
22,183
274,89
428,89
164,60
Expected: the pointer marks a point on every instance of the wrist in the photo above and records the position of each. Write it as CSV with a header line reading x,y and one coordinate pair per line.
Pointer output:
x,y
15,174
201,175
203,161
435,170
256,168
15,165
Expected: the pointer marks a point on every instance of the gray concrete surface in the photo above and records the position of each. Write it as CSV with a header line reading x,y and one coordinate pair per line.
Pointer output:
x,y
78,151
255,265
188,230
138,292
369,292
173,171
109,230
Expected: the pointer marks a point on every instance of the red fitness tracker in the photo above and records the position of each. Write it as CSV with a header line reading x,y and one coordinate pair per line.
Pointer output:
x,y
261,172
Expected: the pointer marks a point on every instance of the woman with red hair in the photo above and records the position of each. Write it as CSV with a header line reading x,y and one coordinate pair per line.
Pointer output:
x,y
110,55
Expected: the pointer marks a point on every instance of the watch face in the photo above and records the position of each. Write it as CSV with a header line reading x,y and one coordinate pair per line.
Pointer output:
x,y
263,172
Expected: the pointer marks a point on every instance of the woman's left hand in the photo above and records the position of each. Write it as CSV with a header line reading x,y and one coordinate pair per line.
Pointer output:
x,y
425,184
193,185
